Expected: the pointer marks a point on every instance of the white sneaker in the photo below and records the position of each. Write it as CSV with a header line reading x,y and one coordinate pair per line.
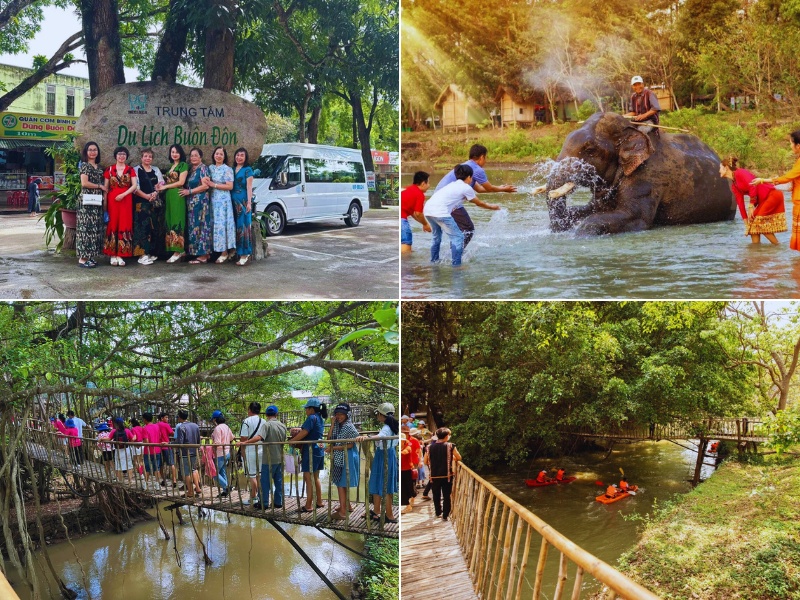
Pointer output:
x,y
113,261
144,259
153,258
120,262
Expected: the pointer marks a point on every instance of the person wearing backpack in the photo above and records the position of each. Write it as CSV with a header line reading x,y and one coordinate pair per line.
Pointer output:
x,y
272,460
252,432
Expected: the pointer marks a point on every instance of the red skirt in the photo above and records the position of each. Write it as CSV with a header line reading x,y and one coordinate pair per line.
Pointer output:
x,y
769,216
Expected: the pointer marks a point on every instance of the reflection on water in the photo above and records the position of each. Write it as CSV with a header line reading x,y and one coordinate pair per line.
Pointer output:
x,y
514,255
251,560
661,469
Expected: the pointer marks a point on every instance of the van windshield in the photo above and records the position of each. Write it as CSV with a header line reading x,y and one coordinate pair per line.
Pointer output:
x,y
268,166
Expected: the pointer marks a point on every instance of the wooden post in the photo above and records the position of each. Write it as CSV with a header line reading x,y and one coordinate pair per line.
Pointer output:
x,y
500,533
537,584
506,550
562,577
576,589
701,455
524,562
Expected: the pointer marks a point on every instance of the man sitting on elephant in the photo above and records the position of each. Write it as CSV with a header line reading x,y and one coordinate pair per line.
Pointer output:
x,y
644,104
480,183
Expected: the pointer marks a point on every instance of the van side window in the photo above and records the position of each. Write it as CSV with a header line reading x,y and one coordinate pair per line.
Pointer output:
x,y
291,169
334,171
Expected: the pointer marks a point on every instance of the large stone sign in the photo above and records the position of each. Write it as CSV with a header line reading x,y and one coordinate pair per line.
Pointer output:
x,y
156,115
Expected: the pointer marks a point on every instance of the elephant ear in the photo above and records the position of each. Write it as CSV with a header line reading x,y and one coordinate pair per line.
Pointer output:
x,y
634,148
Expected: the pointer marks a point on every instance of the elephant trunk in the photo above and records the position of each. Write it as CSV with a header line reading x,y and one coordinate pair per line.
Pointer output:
x,y
564,177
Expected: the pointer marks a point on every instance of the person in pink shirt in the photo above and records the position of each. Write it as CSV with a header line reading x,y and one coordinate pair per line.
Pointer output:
x,y
137,450
123,459
58,423
104,434
167,457
152,454
223,436
74,441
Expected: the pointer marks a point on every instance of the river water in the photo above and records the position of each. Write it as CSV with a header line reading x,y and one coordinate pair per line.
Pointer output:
x,y
250,560
661,469
515,255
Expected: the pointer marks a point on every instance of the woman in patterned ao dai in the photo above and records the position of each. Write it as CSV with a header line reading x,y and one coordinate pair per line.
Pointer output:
x,y
221,184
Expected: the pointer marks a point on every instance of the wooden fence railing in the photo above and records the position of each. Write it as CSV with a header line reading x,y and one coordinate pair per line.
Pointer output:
x,y
727,428
497,535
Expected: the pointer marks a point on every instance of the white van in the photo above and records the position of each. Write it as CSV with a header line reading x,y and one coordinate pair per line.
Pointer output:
x,y
297,183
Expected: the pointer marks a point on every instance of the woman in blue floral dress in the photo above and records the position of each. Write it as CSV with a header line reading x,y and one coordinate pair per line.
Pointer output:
x,y
242,195
221,184
199,223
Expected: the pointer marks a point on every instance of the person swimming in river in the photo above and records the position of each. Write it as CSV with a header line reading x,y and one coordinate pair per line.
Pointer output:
x,y
480,183
439,208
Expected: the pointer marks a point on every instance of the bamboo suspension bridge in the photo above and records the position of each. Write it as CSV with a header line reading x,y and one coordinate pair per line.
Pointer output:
x,y
48,447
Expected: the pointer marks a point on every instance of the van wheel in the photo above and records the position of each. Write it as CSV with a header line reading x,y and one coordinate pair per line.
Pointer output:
x,y
273,221
353,217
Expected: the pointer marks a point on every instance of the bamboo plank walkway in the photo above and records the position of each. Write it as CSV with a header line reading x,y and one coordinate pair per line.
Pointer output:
x,y
431,563
289,513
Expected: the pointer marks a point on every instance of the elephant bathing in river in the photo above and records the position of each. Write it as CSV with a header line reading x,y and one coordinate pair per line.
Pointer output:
x,y
638,179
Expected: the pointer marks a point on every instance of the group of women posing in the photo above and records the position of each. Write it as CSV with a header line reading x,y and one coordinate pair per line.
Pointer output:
x,y
206,208
767,213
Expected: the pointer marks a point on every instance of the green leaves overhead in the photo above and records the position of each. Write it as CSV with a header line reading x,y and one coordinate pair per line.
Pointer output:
x,y
225,353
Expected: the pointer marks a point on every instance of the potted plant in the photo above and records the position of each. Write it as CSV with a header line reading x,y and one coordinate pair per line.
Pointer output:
x,y
62,214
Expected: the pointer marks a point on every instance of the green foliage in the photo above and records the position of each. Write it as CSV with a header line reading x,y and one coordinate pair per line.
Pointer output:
x,y
376,581
386,328
784,430
534,370
734,536
280,129
66,196
586,110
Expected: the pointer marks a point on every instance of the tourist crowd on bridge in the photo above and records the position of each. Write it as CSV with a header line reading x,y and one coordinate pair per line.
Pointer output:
x,y
153,455
191,209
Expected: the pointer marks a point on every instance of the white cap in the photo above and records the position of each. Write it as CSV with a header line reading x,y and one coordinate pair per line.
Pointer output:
x,y
636,79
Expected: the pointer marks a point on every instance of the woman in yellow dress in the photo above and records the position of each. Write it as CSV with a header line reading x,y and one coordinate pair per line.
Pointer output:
x,y
792,175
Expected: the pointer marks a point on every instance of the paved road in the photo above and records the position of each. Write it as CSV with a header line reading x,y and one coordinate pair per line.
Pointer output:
x,y
315,260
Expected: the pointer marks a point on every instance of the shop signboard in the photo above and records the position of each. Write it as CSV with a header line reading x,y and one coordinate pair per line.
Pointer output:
x,y
157,114
35,127
371,181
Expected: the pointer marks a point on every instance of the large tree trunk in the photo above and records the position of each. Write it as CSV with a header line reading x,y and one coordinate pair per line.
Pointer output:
x,y
172,45
363,139
219,49
100,20
313,125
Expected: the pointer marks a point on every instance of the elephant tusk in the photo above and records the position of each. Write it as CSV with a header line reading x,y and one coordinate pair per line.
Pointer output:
x,y
540,190
562,191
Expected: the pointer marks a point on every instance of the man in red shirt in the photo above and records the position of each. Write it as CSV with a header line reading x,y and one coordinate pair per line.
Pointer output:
x,y
412,200
409,461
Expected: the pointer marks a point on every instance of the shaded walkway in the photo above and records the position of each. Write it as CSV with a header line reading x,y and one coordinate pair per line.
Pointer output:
x,y
431,562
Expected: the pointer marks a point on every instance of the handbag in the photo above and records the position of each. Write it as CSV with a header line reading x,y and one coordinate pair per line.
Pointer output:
x,y
88,199
414,474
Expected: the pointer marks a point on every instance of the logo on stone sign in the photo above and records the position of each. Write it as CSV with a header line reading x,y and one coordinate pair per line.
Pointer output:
x,y
138,104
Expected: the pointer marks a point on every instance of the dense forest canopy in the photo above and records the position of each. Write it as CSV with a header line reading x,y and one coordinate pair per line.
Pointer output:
x,y
219,354
512,377
589,49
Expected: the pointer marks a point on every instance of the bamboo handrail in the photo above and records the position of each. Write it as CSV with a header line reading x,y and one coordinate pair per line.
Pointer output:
x,y
469,528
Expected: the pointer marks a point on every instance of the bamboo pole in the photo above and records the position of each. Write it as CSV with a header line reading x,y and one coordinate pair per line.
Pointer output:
x,y
506,549
576,589
480,535
523,565
497,548
537,584
562,577
488,545
517,536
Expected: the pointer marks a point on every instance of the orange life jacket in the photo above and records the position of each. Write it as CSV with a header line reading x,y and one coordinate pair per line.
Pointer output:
x,y
623,485
560,475
611,491
542,477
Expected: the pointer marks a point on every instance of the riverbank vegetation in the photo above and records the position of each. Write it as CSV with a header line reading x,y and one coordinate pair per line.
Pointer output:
x,y
512,379
379,581
106,359
760,143
734,536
